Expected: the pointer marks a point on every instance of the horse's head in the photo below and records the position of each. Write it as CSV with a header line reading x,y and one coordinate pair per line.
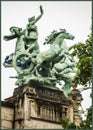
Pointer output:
x,y
62,34
66,35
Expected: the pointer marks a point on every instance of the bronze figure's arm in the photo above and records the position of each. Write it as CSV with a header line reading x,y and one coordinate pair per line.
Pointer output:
x,y
41,11
33,20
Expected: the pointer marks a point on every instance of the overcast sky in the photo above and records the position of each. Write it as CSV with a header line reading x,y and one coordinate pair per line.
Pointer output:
x,y
74,16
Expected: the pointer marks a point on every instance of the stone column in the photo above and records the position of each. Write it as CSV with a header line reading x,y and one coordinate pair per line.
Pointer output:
x,y
33,108
70,114
25,110
75,99
25,107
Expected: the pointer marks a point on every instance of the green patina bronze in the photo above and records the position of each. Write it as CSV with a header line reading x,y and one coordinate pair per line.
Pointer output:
x,y
41,68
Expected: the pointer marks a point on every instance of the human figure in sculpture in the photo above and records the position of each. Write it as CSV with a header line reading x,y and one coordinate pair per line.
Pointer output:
x,y
26,39
31,33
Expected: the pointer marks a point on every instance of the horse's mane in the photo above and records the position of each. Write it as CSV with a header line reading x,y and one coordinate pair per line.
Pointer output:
x,y
53,35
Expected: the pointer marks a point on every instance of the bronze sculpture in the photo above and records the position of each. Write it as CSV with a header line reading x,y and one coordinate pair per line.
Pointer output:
x,y
41,68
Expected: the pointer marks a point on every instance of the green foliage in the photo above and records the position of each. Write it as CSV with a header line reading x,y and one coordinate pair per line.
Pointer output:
x,y
89,117
88,122
72,125
66,124
83,53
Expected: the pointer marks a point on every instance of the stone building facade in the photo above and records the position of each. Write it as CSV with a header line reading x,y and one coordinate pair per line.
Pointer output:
x,y
7,115
38,107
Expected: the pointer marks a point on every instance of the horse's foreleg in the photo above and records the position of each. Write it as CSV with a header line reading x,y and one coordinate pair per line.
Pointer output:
x,y
36,71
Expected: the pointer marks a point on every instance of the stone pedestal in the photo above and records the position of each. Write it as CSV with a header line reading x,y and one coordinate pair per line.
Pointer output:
x,y
38,107
75,99
7,115
77,118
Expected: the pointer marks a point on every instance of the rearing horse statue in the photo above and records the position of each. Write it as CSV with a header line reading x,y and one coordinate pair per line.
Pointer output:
x,y
53,52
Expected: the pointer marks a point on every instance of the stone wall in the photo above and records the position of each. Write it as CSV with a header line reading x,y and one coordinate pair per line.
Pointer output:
x,y
7,117
37,107
77,119
34,123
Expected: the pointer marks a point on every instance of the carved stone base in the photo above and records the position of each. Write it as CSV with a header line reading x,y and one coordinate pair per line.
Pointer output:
x,y
77,119
38,107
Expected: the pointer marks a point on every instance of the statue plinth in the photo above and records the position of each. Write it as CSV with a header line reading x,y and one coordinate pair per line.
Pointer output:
x,y
75,98
38,107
